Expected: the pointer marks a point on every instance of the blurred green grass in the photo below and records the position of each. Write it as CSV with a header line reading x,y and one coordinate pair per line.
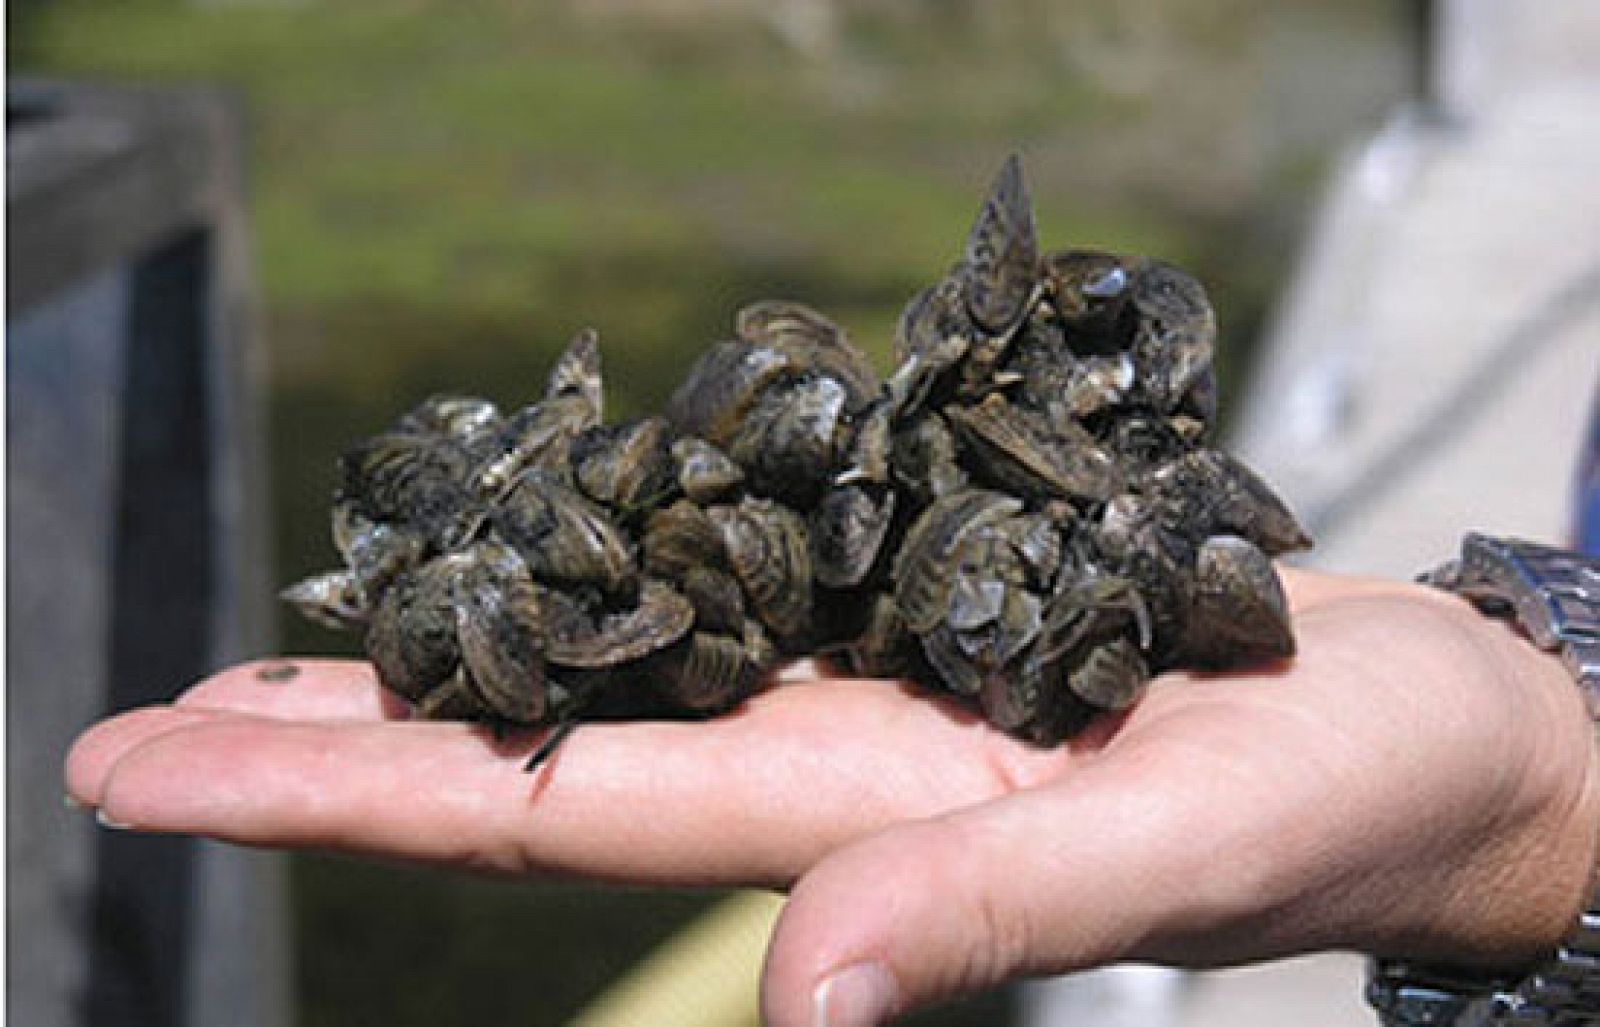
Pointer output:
x,y
410,946
442,193
460,156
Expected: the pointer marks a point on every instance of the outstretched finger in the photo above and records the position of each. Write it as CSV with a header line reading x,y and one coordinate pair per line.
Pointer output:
x,y
100,748
286,689
752,798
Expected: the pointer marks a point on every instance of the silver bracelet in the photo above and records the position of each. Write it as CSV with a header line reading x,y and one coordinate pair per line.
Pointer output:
x,y
1555,597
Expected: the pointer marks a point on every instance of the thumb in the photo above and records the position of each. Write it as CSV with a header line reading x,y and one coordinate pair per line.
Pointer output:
x,y
1078,875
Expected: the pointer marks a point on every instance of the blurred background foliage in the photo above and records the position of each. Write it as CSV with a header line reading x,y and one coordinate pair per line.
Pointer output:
x,y
442,193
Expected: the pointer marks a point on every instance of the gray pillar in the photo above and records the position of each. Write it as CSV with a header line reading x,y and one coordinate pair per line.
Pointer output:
x,y
135,545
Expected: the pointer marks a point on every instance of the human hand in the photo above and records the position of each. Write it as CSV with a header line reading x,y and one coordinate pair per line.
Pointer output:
x,y
1417,781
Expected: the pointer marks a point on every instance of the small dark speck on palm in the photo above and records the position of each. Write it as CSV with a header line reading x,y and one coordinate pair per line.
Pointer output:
x,y
278,673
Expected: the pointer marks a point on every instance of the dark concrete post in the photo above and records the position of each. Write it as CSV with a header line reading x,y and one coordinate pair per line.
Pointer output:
x,y
135,548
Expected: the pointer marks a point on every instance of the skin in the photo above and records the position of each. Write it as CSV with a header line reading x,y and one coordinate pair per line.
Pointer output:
x,y
1417,781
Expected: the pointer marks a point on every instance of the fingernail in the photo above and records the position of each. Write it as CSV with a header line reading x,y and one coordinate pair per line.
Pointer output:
x,y
107,822
71,803
857,996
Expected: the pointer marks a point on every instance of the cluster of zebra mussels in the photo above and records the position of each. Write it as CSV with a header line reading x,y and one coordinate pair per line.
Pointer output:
x,y
1028,513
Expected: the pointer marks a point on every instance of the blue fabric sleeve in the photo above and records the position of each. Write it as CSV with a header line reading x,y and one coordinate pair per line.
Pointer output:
x,y
1586,522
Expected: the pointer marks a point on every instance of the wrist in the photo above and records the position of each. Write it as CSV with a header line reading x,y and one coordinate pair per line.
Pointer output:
x,y
1528,949
1515,843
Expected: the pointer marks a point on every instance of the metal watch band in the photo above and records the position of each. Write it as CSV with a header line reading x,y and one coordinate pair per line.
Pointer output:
x,y
1553,594
1555,597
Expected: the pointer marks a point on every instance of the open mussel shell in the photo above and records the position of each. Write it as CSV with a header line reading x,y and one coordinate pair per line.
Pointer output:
x,y
602,639
1088,293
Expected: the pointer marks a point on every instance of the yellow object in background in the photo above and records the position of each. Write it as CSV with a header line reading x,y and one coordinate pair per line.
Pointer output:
x,y
706,975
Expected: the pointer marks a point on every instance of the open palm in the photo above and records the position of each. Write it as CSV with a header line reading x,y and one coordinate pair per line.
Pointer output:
x,y
1413,781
